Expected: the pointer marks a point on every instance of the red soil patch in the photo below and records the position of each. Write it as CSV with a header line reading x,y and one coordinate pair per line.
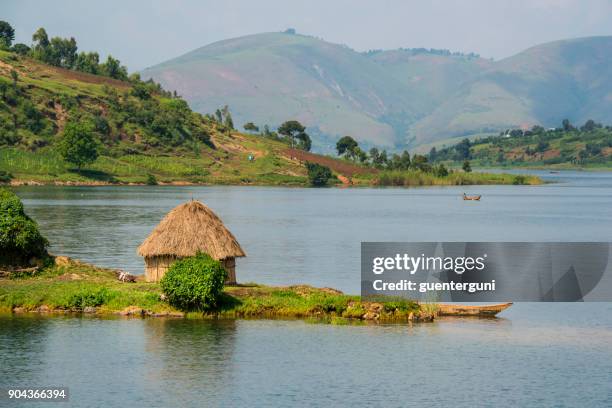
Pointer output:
x,y
336,165
549,154
89,78
344,180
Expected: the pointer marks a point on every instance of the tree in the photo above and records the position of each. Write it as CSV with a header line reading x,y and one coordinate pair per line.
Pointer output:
x,y
291,129
21,49
227,116
229,122
466,166
78,145
40,49
141,91
541,146
40,38
420,162
4,87
20,239
318,175
346,146
268,133
463,149
14,77
590,125
394,164
375,157
7,34
113,68
32,117
361,155
441,170
383,158
433,153
567,126
404,162
219,116
88,62
251,127
304,141
62,52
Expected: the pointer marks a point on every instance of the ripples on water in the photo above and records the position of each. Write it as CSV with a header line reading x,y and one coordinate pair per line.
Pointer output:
x,y
535,355
454,362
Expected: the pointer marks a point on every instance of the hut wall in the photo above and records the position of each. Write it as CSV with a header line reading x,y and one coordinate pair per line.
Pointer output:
x,y
230,266
156,267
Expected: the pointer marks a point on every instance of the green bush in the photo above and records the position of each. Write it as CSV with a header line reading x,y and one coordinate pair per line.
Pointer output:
x,y
151,180
356,311
318,175
401,305
89,298
5,176
20,239
78,145
194,283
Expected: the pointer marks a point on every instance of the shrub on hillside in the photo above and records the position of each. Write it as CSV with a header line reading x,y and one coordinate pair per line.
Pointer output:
x,y
318,175
20,240
194,283
78,145
5,176
151,180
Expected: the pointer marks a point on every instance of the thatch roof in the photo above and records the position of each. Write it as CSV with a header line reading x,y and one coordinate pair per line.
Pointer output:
x,y
187,229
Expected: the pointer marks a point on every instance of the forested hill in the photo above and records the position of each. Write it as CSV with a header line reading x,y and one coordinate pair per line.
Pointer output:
x,y
589,145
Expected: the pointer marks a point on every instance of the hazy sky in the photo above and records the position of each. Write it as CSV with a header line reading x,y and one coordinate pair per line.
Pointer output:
x,y
143,33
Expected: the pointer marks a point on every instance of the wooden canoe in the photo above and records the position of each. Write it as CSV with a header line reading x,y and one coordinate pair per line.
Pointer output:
x,y
471,198
477,310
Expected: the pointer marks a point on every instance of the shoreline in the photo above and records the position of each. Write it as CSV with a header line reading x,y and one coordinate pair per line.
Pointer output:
x,y
72,288
530,180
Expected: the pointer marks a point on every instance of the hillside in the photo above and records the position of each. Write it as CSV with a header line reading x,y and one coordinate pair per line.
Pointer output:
x,y
561,80
397,98
563,147
143,133
269,78
430,76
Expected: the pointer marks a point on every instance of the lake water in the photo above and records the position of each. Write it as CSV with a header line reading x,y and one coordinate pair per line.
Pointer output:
x,y
537,355
298,235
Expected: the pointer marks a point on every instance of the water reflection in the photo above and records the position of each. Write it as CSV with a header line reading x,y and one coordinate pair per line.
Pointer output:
x,y
22,346
193,356
177,362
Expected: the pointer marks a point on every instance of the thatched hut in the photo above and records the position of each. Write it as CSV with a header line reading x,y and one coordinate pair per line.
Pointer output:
x,y
186,230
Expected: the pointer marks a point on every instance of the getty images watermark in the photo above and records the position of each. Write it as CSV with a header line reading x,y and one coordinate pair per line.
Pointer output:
x,y
488,271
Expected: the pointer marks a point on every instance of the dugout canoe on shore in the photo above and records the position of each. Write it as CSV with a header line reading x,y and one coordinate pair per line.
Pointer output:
x,y
476,310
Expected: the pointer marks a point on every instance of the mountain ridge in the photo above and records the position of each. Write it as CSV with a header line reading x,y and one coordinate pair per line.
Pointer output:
x,y
392,98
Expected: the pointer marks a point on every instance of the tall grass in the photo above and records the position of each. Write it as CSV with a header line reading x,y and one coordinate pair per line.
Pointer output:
x,y
419,178
22,162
